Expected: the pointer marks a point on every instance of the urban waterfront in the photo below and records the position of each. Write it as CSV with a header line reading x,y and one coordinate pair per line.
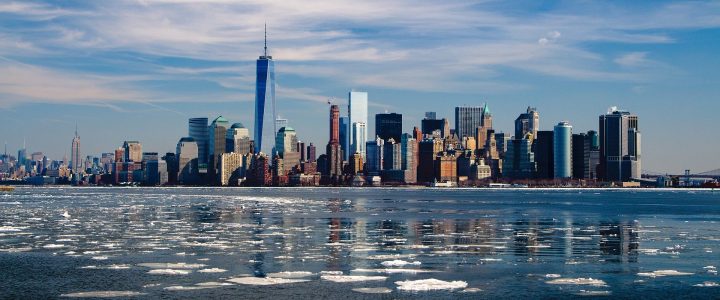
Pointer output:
x,y
358,243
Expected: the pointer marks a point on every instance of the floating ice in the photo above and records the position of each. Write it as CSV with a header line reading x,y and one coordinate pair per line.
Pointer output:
x,y
399,263
291,274
394,271
212,270
429,285
376,290
331,272
263,281
661,273
593,293
351,278
552,275
54,246
186,288
103,294
578,281
707,284
171,265
168,272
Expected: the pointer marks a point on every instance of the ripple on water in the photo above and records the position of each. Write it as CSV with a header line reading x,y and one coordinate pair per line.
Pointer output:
x,y
103,294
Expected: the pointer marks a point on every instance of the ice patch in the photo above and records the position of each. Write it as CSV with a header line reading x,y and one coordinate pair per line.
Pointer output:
x,y
263,281
212,270
171,265
186,288
377,290
399,263
351,278
331,272
213,283
661,273
103,294
168,272
394,271
578,281
707,284
593,293
429,285
291,274
53,246
552,275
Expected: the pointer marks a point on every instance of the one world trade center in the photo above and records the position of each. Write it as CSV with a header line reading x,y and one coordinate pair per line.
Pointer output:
x,y
264,101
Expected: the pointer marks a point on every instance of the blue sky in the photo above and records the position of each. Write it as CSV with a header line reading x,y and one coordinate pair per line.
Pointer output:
x,y
138,69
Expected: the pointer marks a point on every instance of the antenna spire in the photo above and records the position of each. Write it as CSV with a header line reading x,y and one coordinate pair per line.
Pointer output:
x,y
76,129
265,39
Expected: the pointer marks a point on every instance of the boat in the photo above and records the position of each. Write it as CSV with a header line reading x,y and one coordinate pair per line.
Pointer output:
x,y
7,188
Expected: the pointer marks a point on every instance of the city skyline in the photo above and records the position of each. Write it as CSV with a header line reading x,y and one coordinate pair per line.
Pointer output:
x,y
113,94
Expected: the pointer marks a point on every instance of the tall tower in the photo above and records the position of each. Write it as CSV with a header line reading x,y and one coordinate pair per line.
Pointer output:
x,y
264,92
333,150
562,150
334,124
619,146
75,153
358,114
528,122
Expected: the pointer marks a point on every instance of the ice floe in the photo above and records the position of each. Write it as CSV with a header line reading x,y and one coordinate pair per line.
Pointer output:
x,y
103,294
351,278
171,265
661,273
578,281
212,270
399,263
375,290
429,285
264,280
169,272
707,284
291,274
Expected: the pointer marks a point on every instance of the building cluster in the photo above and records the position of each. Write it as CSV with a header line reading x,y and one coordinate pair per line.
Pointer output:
x,y
472,153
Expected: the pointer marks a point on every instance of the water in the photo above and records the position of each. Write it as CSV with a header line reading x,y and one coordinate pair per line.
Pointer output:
x,y
358,243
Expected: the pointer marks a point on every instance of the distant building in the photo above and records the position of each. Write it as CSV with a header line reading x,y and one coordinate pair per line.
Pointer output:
x,y
238,139
562,150
519,161
151,168
285,141
619,146
527,123
132,151
392,155
410,153
469,118
264,102
388,125
311,153
334,151
580,156
345,136
446,168
428,126
216,136
198,130
375,152
231,168
75,154
428,150
480,171
187,159
358,120
543,147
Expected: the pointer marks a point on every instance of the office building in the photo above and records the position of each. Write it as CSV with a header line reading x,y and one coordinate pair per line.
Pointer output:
x,y
231,168
428,150
132,151
543,147
375,160
187,157
519,161
581,156
311,153
333,150
469,118
345,135
388,125
285,141
216,146
619,146
527,124
264,129
392,155
562,150
151,168
358,120
432,126
198,130
237,139
409,152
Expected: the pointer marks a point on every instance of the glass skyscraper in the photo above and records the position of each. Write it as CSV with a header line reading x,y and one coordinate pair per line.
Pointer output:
x,y
358,114
198,130
562,150
264,93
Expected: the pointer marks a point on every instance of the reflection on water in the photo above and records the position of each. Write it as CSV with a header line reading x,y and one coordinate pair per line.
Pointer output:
x,y
488,239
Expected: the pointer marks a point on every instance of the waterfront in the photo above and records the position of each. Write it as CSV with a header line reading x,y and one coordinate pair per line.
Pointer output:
x,y
358,243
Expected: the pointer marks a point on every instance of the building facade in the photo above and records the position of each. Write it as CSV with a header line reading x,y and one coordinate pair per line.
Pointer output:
x,y
562,150
619,146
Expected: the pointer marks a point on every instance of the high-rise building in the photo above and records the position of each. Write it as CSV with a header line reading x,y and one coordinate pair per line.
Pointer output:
x,y
392,156
527,123
543,147
388,125
594,155
237,139
409,150
198,130
428,150
187,159
619,146
581,156
264,130
133,151
469,118
285,141
311,153
481,132
151,168
216,146
519,161
358,114
75,154
345,135
281,122
375,152
231,165
562,150
430,115
333,149
300,146
446,167
430,126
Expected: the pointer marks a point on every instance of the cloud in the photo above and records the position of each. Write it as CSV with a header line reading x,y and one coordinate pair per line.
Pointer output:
x,y
632,59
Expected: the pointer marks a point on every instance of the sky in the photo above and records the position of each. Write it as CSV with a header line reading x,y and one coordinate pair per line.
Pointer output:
x,y
137,70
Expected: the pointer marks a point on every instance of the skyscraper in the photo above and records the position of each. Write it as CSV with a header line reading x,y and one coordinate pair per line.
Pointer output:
x,y
285,141
187,157
358,114
562,150
198,130
264,92
392,156
469,118
216,147
431,125
528,122
543,147
409,150
345,135
133,151
581,155
311,153
388,125
519,161
333,149
238,139
375,152
75,153
619,146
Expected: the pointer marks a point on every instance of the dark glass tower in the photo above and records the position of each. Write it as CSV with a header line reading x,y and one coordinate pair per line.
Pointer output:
x,y
264,92
388,126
